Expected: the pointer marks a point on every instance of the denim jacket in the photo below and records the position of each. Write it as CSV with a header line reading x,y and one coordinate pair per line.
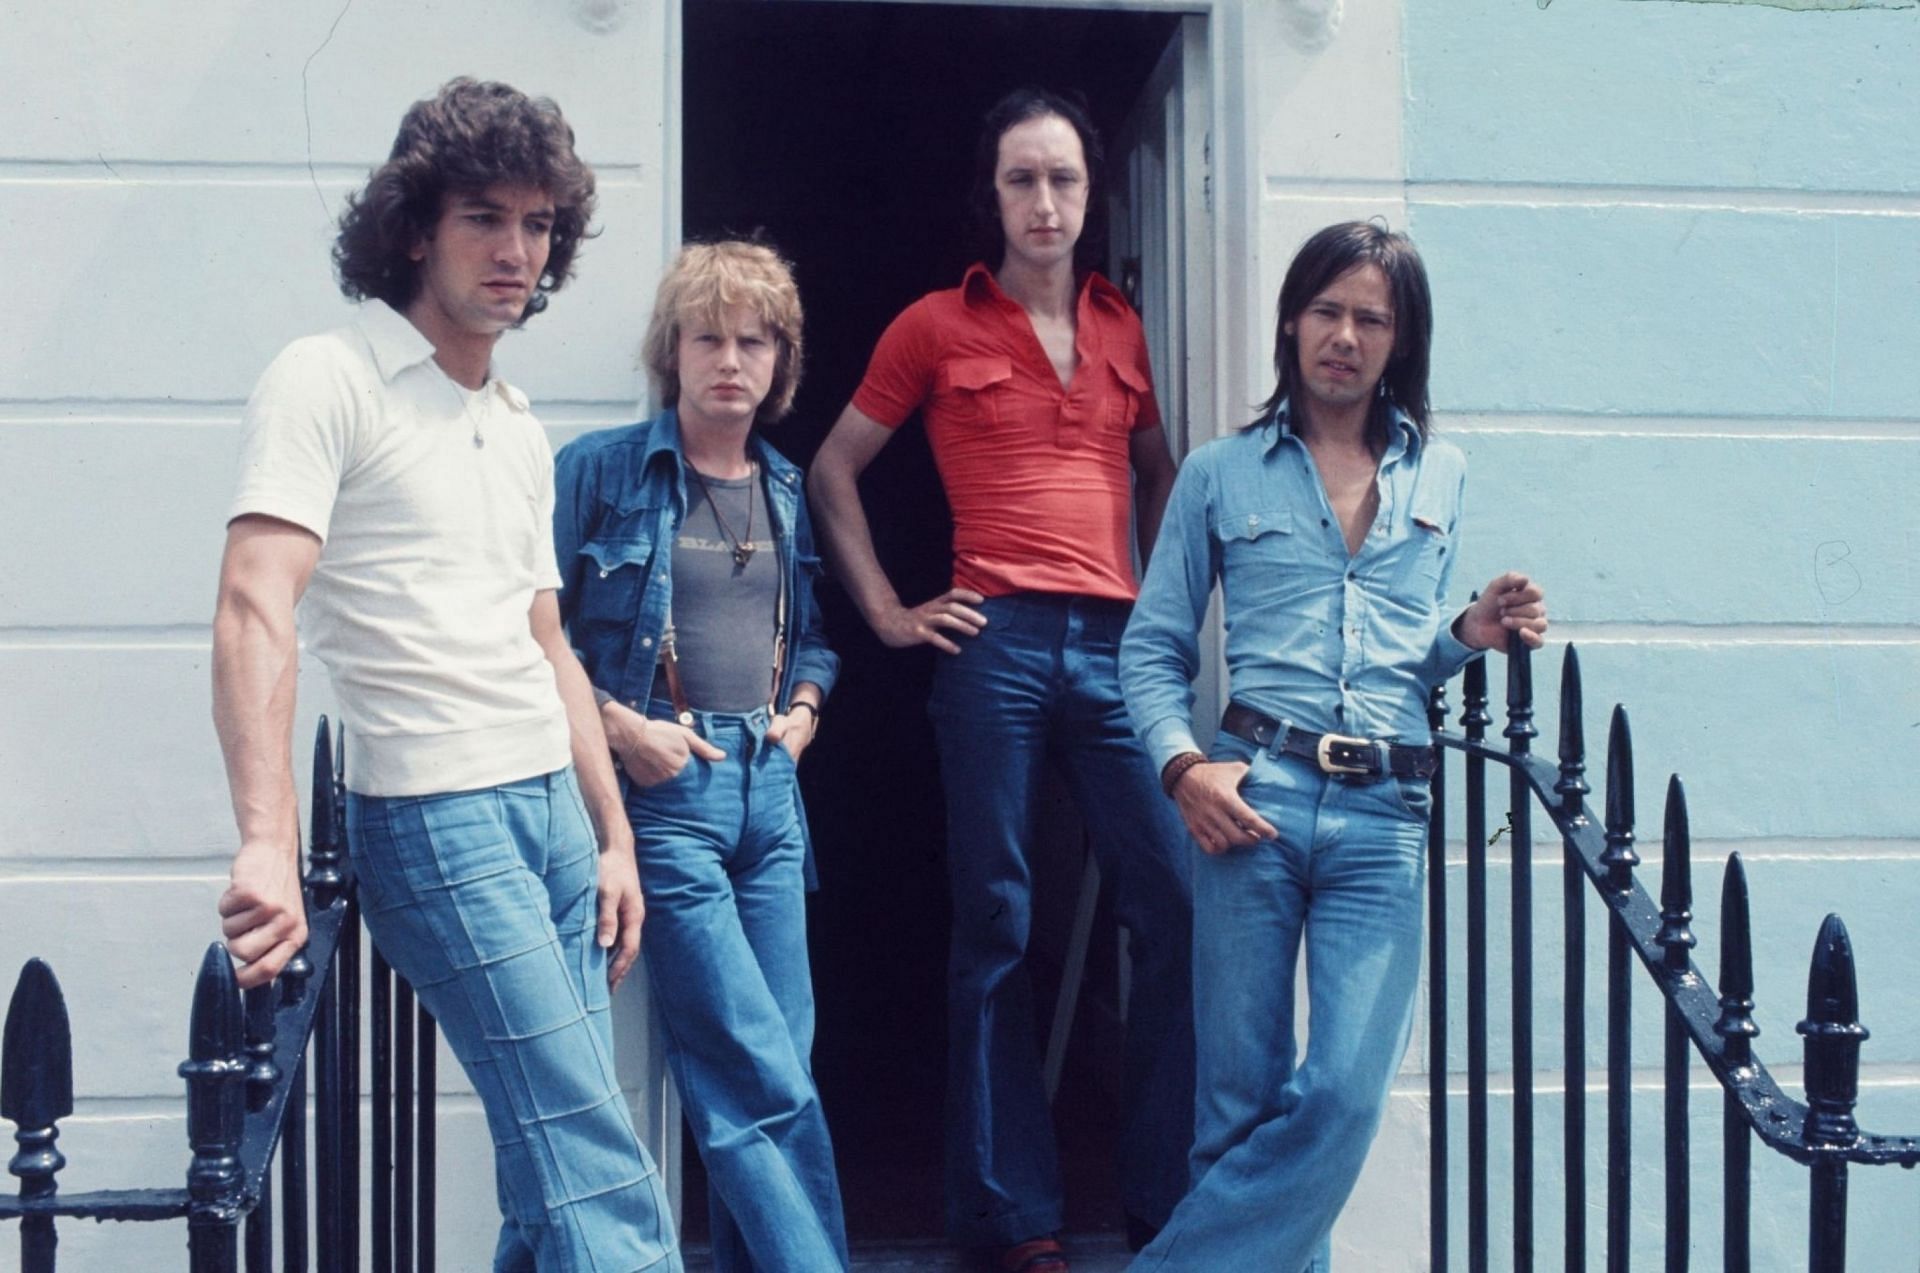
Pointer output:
x,y
620,495
1315,636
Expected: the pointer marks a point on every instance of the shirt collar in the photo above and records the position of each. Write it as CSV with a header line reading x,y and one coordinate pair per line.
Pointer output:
x,y
979,286
396,345
664,439
1403,438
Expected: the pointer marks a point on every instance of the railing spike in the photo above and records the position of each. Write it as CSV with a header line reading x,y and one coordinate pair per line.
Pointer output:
x,y
1519,694
1736,1024
1619,857
1520,728
1572,787
1833,1034
215,1071
324,875
1473,700
36,1084
1675,937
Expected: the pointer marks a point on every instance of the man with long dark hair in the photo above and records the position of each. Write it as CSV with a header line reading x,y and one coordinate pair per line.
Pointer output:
x,y
1039,406
1331,524
387,466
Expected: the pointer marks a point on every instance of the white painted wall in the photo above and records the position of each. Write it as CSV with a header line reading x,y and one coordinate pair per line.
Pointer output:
x,y
169,176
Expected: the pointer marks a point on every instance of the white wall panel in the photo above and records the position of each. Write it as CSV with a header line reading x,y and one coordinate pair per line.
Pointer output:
x,y
100,81
172,291
109,752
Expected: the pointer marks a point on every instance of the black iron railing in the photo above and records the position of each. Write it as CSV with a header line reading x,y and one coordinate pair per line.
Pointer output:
x,y
249,1061
1598,860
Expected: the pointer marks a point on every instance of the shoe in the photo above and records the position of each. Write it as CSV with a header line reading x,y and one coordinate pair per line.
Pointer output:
x,y
1035,1255
1139,1233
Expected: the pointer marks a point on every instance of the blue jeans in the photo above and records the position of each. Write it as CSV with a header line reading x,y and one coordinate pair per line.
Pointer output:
x,y
1041,683
487,902
720,846
1278,1147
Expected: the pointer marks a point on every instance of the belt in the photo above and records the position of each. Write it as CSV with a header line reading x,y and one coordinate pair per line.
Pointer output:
x,y
1344,756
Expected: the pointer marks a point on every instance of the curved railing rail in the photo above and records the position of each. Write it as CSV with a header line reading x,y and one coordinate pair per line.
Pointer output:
x,y
1716,1024
250,1058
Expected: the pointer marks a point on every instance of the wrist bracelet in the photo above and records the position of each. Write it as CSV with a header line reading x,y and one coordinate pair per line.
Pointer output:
x,y
809,705
1176,769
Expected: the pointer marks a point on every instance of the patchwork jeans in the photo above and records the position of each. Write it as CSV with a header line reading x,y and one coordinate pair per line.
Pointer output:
x,y
721,847
1040,683
486,901
1279,1146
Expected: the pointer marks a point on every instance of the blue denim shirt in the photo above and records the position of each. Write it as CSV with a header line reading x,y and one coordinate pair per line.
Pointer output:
x,y
620,495
1351,645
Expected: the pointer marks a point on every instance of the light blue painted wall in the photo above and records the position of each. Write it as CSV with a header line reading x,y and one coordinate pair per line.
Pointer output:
x,y
1675,250
1605,92
1672,310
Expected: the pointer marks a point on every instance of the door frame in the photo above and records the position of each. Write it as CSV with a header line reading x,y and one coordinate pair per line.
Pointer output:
x,y
1220,227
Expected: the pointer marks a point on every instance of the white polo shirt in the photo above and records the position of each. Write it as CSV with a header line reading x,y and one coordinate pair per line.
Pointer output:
x,y
433,547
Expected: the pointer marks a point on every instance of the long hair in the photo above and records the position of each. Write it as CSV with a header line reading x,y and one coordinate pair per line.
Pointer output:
x,y
704,281
983,201
468,136
1324,258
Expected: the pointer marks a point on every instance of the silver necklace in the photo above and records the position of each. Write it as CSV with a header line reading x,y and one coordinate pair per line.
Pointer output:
x,y
467,400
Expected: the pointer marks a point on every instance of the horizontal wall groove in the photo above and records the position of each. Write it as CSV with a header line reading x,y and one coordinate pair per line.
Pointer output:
x,y
159,1107
1679,198
1651,1081
194,868
1281,188
110,170
1708,852
1785,428
154,636
1602,632
226,412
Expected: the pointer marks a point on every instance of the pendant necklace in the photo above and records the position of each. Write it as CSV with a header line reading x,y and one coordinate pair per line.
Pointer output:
x,y
467,398
742,547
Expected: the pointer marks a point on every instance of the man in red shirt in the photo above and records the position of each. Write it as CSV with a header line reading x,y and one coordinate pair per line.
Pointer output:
x,y
1038,400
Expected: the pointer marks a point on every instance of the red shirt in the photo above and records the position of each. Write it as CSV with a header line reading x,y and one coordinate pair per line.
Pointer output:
x,y
1038,476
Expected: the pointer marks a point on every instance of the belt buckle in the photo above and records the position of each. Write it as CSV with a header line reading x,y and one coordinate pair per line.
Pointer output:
x,y
1323,754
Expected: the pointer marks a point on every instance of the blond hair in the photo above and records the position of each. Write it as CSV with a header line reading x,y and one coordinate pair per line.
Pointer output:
x,y
704,281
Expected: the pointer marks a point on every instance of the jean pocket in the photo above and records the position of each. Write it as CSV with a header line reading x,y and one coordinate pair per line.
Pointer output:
x,y
1413,797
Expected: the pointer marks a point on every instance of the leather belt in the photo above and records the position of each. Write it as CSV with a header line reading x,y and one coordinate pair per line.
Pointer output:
x,y
1343,756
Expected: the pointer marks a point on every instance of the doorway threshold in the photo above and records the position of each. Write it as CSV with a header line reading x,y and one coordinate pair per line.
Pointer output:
x,y
1089,1253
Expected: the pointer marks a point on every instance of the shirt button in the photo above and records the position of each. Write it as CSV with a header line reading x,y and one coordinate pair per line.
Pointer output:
x,y
603,574
646,643
1351,576
1252,522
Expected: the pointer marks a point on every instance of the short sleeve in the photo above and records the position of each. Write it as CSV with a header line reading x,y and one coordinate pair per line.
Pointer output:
x,y
900,374
545,564
297,436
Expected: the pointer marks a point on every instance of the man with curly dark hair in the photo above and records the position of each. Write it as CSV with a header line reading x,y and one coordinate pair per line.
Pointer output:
x,y
385,465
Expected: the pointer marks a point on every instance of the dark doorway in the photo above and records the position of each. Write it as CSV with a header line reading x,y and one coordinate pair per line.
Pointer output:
x,y
845,132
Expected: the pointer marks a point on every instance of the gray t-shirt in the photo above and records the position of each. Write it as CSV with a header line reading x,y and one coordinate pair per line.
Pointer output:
x,y
723,609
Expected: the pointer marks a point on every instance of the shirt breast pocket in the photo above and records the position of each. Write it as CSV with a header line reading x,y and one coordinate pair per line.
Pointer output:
x,y
610,584
975,388
1429,541
1258,537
